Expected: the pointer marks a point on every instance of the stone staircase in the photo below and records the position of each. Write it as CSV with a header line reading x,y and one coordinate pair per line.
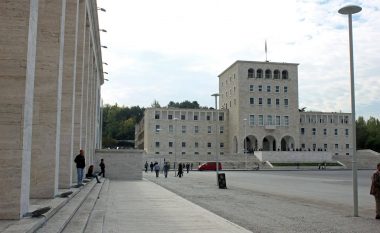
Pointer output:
x,y
366,159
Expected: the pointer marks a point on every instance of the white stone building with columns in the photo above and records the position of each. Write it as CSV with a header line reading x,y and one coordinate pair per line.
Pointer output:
x,y
259,104
50,80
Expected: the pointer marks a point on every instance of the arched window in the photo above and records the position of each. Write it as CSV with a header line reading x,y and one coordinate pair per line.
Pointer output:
x,y
259,73
285,74
276,74
251,73
268,73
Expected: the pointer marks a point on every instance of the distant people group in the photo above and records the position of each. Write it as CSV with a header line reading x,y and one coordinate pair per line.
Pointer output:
x,y
166,167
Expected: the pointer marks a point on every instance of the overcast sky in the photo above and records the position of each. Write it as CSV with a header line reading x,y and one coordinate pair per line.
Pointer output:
x,y
174,49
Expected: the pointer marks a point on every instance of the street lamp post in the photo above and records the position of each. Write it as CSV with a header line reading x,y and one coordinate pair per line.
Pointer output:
x,y
175,145
245,142
350,10
216,138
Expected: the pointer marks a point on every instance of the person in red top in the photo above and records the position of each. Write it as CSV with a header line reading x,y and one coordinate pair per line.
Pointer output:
x,y
375,189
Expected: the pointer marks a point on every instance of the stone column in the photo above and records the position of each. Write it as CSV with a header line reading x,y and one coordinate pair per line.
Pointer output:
x,y
78,111
68,95
18,30
47,99
86,99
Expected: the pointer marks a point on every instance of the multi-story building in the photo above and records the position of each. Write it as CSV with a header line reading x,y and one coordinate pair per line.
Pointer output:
x,y
259,111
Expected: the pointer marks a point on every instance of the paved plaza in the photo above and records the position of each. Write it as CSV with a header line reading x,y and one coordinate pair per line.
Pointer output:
x,y
281,201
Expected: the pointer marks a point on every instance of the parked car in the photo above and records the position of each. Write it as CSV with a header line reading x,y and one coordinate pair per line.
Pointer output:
x,y
209,166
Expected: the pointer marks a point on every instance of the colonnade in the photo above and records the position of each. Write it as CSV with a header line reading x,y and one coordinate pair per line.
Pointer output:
x,y
50,78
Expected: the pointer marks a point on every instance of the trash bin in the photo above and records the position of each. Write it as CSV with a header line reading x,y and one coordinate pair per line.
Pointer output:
x,y
222,181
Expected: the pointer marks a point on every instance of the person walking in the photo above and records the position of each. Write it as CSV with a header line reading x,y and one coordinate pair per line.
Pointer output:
x,y
166,169
180,170
81,163
187,167
375,189
102,168
157,169
151,166
146,166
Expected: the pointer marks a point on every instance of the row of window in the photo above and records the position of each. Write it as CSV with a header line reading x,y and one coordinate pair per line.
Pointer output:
x,y
324,119
260,88
268,101
157,116
268,74
183,153
314,131
196,144
315,148
268,120
196,129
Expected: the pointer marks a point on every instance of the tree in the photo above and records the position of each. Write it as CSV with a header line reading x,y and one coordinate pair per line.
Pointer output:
x,y
155,104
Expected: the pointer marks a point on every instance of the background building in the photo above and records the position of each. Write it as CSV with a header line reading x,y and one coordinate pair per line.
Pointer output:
x,y
259,111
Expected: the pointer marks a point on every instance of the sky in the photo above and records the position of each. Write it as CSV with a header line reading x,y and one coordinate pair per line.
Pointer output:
x,y
174,50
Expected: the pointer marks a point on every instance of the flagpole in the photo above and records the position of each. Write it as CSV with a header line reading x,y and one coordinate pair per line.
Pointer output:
x,y
266,51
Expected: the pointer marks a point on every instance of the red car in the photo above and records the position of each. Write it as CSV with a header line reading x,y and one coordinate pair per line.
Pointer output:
x,y
209,166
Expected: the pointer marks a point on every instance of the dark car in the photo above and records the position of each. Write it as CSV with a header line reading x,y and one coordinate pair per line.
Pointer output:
x,y
209,166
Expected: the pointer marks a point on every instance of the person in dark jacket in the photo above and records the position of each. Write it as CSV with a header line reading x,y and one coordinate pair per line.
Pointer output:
x,y
375,189
102,167
81,163
151,166
180,170
90,173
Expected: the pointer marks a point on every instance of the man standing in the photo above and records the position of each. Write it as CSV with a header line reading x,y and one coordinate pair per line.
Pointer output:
x,y
375,189
81,162
102,167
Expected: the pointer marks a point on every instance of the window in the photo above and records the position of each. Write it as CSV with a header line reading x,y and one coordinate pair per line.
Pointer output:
x,y
269,101
221,145
268,88
251,88
209,117
170,117
196,153
314,146
221,129
196,129
286,102
261,120
313,131
157,128
170,144
157,144
251,100
260,88
260,101
157,153
208,129
259,73
221,116
303,145
251,73
157,115
209,144
347,146
336,132
325,146
346,132
269,120
285,74
196,144
277,102
170,153
277,89
285,89
336,146
251,119
183,117
183,144
324,131
195,117
183,128
286,120
268,74
276,74
278,120
170,128
302,131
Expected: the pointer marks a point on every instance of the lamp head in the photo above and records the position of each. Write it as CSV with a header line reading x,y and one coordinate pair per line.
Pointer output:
x,y
349,10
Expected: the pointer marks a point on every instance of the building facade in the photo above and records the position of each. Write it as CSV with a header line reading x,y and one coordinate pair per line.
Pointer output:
x,y
259,105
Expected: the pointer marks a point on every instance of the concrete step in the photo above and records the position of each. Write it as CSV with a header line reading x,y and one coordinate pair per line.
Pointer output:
x,y
96,220
78,222
60,219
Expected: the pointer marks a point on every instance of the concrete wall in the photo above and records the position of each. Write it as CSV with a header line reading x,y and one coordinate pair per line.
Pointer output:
x,y
294,156
120,164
